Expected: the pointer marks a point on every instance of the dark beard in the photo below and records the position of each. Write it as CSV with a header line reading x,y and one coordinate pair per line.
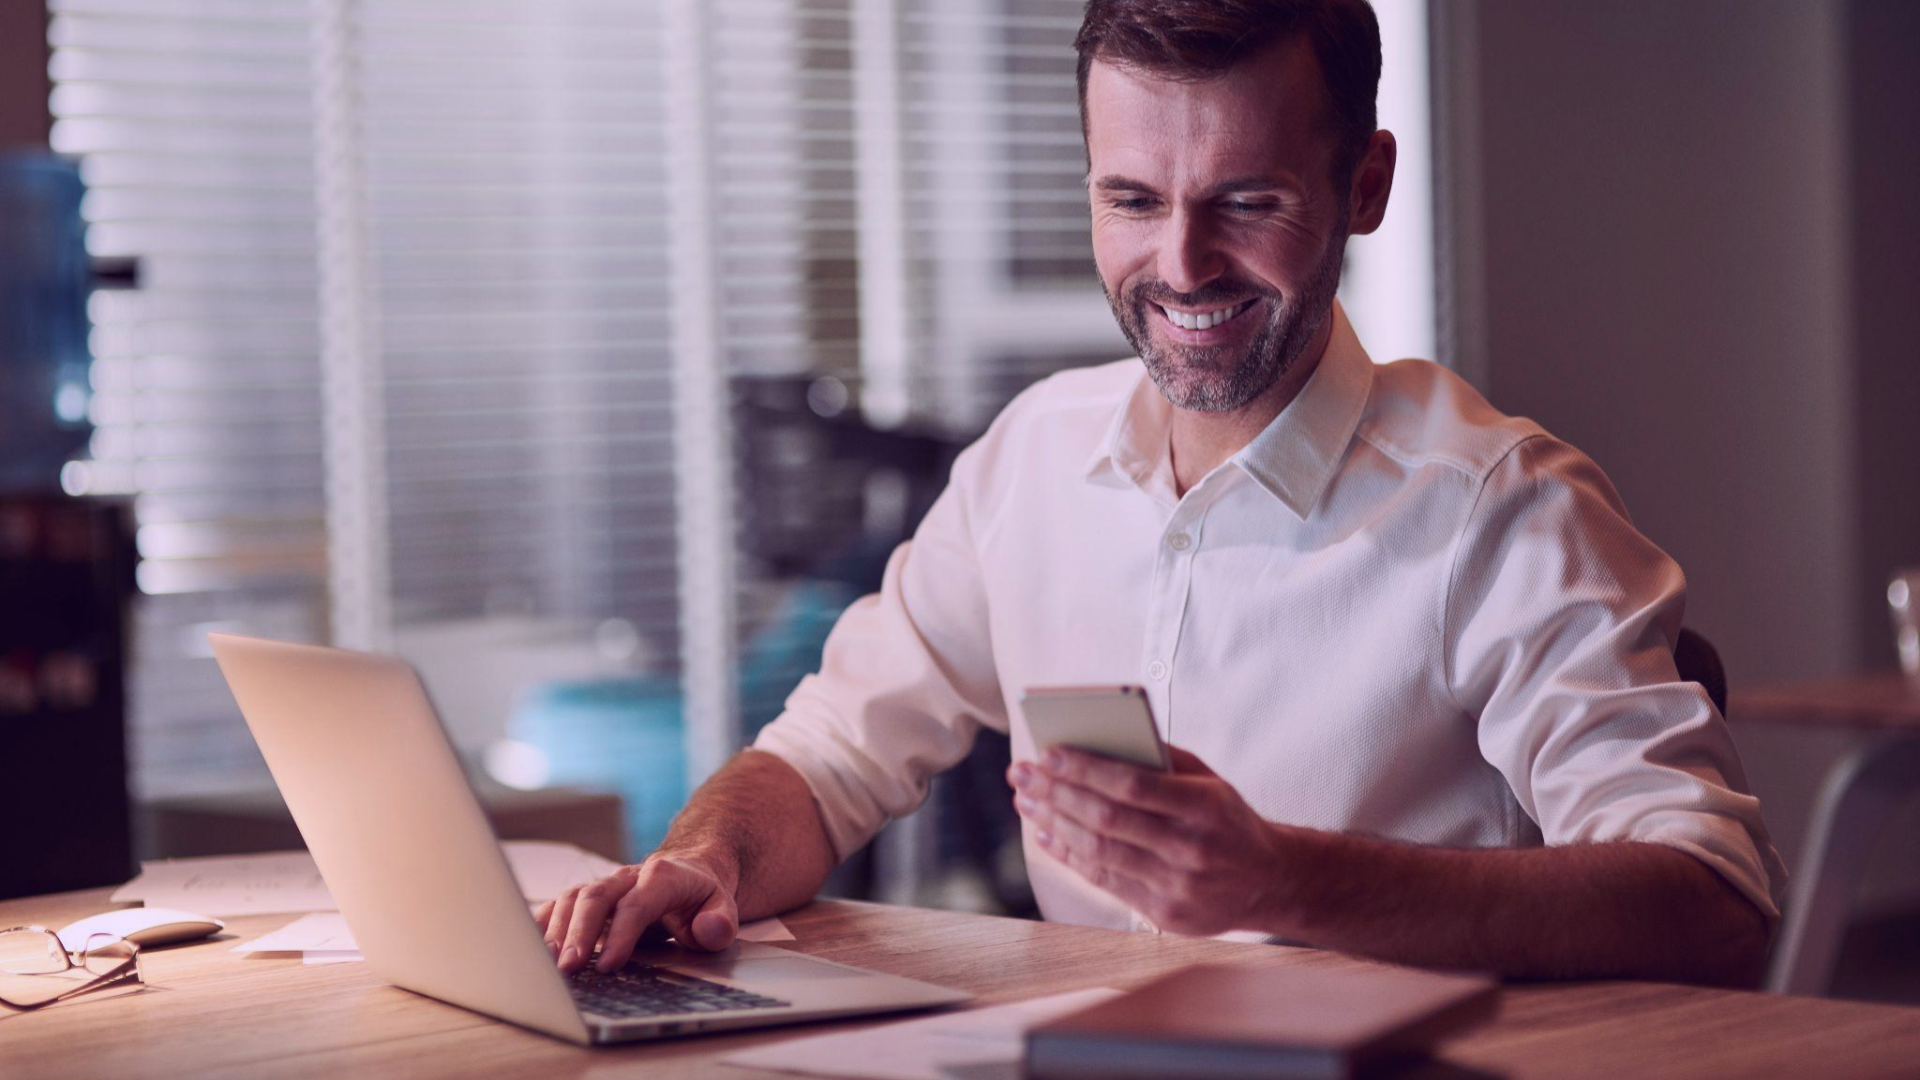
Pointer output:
x,y
1225,378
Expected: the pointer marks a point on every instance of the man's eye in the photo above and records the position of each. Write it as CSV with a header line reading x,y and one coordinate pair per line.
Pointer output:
x,y
1132,205
1249,207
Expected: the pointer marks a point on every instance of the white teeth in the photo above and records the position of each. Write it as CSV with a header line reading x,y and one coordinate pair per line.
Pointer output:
x,y
1205,320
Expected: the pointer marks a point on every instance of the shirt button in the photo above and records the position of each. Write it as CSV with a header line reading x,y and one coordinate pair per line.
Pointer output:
x,y
1156,671
1179,541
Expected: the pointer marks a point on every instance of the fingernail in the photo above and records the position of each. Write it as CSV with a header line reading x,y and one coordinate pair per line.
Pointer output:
x,y
1022,776
1045,837
1056,760
1025,805
570,957
554,948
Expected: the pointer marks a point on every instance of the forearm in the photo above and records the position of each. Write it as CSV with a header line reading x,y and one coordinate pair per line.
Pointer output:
x,y
1607,910
754,823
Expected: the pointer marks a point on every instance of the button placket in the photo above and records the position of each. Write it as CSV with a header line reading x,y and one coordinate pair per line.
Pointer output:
x,y
1173,577
1166,611
1162,606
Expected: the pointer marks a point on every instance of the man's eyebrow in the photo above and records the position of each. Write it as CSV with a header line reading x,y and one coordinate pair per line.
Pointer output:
x,y
1254,183
1225,187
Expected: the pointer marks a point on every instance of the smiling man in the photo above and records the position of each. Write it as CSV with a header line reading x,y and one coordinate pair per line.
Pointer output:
x,y
1416,661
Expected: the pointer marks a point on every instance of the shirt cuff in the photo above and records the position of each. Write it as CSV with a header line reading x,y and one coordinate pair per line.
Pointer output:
x,y
847,808
1726,848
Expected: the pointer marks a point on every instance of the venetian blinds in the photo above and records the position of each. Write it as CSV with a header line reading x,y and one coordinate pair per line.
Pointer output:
x,y
444,304
997,284
193,125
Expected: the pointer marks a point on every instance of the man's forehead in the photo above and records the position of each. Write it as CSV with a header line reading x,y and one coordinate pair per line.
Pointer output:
x,y
1263,114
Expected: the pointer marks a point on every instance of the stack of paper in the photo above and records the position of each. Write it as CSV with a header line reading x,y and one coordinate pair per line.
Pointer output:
x,y
288,882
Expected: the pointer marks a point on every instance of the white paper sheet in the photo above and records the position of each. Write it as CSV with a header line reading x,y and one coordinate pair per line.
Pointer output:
x,y
322,931
331,958
765,930
288,883
272,883
976,1044
322,937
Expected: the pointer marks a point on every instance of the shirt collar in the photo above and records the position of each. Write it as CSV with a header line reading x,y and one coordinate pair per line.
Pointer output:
x,y
1135,445
1294,458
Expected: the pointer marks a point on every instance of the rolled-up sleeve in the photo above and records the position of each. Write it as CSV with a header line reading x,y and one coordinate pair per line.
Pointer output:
x,y
906,681
1561,619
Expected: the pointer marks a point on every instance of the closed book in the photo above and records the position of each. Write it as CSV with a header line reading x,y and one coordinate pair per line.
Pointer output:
x,y
1303,1021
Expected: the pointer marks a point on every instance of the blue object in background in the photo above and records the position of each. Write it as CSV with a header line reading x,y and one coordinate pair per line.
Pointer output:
x,y
619,735
628,735
45,276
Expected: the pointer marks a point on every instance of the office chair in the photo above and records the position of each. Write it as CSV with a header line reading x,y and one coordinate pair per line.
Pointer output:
x,y
1854,802
1698,661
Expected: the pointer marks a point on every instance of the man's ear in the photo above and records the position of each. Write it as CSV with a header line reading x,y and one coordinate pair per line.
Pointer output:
x,y
1372,183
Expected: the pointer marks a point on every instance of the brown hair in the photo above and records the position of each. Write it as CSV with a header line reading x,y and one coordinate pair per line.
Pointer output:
x,y
1194,40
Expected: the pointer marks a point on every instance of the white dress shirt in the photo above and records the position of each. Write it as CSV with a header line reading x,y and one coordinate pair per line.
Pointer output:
x,y
1395,612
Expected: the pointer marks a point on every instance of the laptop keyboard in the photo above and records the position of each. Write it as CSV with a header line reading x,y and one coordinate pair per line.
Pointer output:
x,y
650,991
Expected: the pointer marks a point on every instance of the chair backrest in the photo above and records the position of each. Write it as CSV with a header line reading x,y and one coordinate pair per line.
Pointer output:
x,y
1698,661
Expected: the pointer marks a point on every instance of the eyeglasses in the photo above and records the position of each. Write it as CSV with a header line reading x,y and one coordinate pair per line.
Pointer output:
x,y
36,967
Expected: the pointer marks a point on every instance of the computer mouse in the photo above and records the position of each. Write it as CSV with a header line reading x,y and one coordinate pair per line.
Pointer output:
x,y
144,926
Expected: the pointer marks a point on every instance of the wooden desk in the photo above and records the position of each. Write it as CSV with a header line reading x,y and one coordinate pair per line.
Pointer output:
x,y
213,1014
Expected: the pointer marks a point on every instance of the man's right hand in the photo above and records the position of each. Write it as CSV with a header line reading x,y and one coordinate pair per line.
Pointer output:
x,y
681,896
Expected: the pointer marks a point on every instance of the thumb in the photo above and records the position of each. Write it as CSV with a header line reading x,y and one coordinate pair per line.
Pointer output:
x,y
1186,763
713,927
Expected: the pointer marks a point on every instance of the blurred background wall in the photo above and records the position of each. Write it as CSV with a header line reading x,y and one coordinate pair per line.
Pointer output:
x,y
1685,242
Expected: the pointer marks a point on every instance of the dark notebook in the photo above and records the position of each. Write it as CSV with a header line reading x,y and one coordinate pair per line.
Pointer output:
x,y
1303,1021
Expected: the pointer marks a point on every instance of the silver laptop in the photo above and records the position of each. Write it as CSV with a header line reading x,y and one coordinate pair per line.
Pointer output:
x,y
375,787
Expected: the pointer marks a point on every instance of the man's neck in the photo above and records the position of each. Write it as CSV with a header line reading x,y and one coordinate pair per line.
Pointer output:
x,y
1202,440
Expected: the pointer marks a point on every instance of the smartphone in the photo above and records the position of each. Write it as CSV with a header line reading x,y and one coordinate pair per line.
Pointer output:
x,y
1115,721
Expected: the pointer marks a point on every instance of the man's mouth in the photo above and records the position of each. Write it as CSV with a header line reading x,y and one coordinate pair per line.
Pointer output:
x,y
1203,320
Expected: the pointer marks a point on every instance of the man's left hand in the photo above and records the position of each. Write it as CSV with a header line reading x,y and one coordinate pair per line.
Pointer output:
x,y
1181,848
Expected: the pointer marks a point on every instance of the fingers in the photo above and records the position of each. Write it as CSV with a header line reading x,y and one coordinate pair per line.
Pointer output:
x,y
638,910
1086,850
1160,793
714,927
592,906
673,895
559,913
1104,864
1099,814
1185,761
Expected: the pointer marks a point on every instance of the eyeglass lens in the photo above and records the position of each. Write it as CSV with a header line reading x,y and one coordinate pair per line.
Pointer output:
x,y
31,952
105,954
36,969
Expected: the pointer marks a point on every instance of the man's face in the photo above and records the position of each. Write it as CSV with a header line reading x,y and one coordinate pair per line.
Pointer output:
x,y
1217,229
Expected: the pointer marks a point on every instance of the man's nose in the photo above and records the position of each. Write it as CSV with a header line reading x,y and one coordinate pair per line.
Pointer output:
x,y
1189,257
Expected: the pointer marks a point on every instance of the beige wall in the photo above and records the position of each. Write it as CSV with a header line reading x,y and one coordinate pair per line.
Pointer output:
x,y
1687,237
